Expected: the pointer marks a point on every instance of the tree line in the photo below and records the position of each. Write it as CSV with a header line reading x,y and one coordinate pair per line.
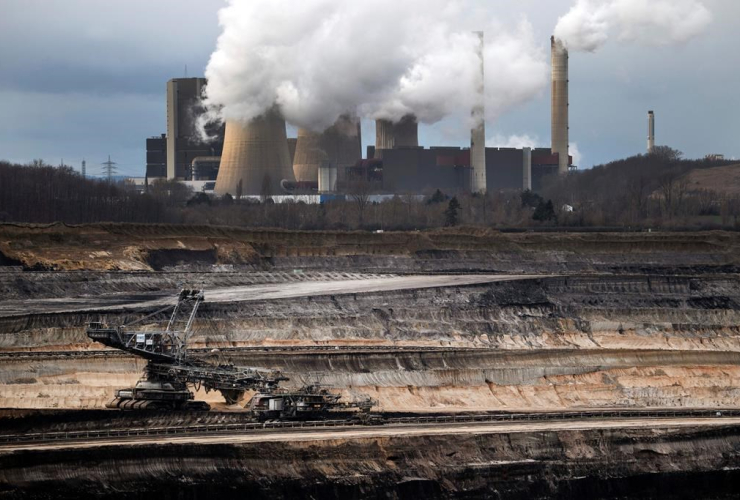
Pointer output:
x,y
641,191
40,193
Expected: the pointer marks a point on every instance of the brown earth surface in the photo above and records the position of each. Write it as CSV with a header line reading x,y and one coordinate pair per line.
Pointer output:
x,y
439,321
722,180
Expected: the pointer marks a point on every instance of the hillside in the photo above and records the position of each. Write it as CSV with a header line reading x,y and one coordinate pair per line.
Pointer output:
x,y
722,180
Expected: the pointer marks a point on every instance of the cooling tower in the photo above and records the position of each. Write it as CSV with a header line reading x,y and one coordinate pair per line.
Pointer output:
x,y
251,154
339,146
651,132
389,135
292,143
478,132
559,114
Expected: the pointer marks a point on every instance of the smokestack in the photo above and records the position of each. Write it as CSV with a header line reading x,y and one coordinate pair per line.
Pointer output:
x,y
478,133
389,135
255,155
559,114
651,133
339,145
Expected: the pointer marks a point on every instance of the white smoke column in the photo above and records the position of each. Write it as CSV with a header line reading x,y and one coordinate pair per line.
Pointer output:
x,y
320,59
589,23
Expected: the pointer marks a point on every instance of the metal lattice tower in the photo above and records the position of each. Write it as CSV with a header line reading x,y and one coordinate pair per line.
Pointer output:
x,y
109,168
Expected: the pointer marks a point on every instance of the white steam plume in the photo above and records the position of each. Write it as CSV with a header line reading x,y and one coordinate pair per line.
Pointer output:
x,y
529,141
513,141
588,24
320,59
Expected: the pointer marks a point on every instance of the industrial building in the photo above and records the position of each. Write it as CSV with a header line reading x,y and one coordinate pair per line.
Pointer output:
x,y
257,158
415,170
171,155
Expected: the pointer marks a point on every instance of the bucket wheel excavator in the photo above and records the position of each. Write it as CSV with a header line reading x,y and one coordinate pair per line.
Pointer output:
x,y
170,370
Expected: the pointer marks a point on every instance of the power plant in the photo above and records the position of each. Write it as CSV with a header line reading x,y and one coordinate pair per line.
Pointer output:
x,y
651,133
255,158
559,112
339,146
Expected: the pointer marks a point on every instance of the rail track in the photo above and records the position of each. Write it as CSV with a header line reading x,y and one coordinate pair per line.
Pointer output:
x,y
251,427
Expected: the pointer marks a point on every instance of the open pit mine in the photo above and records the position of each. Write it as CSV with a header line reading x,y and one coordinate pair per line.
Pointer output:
x,y
439,364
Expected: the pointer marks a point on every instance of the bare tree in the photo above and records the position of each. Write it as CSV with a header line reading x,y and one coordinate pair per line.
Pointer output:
x,y
359,192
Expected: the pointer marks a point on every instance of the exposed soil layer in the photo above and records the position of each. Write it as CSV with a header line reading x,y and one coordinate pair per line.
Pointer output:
x,y
600,464
551,343
147,247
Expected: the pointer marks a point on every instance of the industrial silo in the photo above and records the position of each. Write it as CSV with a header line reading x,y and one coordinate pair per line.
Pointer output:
x,y
255,156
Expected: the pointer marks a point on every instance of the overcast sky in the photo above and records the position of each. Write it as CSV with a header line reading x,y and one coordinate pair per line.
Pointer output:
x,y
86,79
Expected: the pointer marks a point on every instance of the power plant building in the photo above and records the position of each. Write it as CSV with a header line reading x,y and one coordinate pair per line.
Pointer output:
x,y
417,170
156,157
182,144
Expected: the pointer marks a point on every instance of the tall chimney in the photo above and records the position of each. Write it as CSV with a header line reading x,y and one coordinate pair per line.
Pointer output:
x,y
389,135
651,133
478,132
340,146
559,113
255,155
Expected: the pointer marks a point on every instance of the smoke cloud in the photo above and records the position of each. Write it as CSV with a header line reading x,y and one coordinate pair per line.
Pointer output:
x,y
589,23
319,59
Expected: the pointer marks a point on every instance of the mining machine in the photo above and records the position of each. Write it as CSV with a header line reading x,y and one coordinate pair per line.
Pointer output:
x,y
170,370
309,401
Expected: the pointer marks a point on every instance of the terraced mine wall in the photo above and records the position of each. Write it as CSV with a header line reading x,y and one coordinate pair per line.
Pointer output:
x,y
612,320
560,342
598,464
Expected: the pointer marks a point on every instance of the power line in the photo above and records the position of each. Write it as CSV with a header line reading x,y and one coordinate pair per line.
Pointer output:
x,y
109,168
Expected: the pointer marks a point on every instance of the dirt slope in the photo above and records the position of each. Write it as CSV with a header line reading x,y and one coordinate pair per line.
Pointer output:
x,y
134,247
